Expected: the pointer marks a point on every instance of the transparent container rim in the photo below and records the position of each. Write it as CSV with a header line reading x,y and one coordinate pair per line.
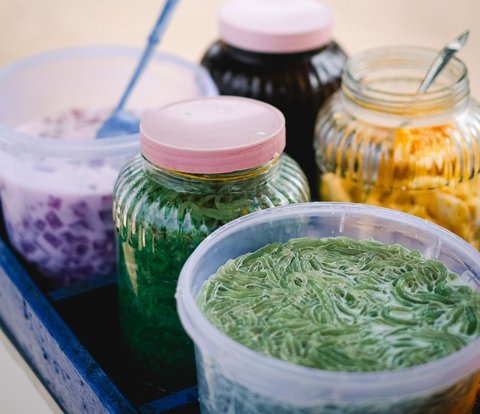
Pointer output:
x,y
413,380
106,146
457,90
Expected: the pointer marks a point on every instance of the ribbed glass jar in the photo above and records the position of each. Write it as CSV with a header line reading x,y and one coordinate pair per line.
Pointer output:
x,y
160,217
191,178
379,142
298,82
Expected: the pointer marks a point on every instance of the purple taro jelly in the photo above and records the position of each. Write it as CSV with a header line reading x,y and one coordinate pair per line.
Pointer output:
x,y
58,211
56,179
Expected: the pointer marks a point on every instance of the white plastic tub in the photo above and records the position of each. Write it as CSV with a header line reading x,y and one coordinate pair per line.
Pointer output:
x,y
57,193
233,378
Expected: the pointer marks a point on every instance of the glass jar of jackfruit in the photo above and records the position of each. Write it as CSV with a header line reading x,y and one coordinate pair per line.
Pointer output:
x,y
378,141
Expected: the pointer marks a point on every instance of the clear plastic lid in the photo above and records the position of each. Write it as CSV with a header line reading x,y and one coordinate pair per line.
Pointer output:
x,y
90,77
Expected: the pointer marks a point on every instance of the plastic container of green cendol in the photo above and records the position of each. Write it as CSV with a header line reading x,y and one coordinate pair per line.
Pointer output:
x,y
333,308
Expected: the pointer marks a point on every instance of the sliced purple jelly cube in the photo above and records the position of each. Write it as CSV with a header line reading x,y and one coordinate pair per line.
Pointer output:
x,y
54,202
80,225
53,220
99,245
68,250
81,249
68,236
106,202
82,240
72,238
40,224
27,247
78,260
26,222
80,209
52,239
106,217
104,247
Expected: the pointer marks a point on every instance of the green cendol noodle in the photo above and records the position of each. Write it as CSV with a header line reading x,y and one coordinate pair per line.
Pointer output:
x,y
342,305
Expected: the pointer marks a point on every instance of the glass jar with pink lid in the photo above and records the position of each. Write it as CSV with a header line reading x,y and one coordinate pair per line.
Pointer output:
x,y
281,52
204,163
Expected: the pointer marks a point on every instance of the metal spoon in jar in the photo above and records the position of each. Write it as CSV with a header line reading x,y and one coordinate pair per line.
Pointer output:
x,y
442,59
439,63
121,121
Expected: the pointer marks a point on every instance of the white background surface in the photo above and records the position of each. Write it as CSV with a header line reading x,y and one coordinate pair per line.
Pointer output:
x,y
32,26
20,391
29,26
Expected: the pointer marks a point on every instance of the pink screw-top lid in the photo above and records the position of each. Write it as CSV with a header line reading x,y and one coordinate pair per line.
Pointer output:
x,y
212,135
276,26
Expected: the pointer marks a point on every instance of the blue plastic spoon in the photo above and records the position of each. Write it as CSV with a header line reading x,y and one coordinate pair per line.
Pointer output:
x,y
121,122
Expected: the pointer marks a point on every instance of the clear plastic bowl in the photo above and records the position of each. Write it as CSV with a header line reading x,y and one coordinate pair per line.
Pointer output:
x,y
57,193
234,378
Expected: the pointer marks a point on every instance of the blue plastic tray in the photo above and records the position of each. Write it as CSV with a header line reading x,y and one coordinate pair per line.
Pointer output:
x,y
71,340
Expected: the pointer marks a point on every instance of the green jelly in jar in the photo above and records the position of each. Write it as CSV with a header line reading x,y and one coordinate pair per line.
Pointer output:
x,y
204,162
